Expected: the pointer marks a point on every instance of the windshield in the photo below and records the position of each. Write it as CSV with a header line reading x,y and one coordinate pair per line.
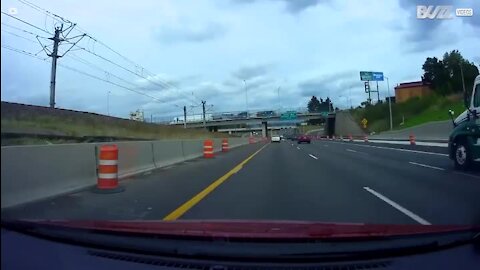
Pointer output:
x,y
332,112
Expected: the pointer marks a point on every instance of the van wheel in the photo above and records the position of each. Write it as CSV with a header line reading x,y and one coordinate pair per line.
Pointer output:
x,y
462,156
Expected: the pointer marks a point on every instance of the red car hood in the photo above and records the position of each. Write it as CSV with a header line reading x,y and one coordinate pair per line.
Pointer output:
x,y
259,229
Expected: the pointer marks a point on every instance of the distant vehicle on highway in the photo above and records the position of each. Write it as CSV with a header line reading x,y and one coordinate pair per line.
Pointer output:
x,y
192,118
223,116
242,115
266,114
303,139
276,138
464,141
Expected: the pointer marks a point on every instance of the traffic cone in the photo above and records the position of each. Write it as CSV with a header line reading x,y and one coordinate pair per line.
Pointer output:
x,y
350,138
365,139
107,175
225,145
208,149
412,139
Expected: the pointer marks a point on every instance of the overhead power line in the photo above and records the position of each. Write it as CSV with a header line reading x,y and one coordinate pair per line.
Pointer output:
x,y
160,84
165,84
27,23
13,34
57,40
44,11
23,52
21,29
86,74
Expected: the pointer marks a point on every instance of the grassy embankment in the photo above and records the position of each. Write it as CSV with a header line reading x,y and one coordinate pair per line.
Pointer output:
x,y
91,125
415,111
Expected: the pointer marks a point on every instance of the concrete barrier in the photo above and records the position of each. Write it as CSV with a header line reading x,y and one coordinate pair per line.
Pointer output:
x,y
192,149
31,173
134,157
217,145
166,153
236,142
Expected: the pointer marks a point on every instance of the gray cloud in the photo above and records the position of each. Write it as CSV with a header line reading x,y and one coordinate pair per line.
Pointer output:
x,y
300,5
190,32
330,84
292,6
426,34
249,72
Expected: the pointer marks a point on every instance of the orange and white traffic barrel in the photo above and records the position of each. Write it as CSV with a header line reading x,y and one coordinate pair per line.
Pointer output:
x,y
208,149
412,139
107,180
225,145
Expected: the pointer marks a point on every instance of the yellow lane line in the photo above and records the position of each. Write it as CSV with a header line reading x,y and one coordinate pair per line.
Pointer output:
x,y
175,214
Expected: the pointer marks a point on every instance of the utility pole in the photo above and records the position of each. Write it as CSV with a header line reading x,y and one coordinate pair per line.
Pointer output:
x,y
203,108
184,116
465,98
389,104
54,55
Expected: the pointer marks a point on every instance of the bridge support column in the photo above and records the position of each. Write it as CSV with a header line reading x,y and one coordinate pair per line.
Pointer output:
x,y
264,129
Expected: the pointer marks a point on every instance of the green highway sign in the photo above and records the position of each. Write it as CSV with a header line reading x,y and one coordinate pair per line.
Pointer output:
x,y
290,115
371,76
366,75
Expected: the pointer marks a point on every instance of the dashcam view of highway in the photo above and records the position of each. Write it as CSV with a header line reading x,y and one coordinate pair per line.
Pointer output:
x,y
274,121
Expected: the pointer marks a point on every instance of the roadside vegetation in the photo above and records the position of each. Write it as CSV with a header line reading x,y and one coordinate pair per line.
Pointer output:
x,y
445,79
84,125
413,112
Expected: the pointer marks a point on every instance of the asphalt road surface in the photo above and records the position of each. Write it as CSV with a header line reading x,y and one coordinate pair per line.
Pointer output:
x,y
325,181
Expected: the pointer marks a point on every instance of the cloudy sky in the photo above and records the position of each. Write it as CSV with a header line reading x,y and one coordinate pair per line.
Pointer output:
x,y
175,53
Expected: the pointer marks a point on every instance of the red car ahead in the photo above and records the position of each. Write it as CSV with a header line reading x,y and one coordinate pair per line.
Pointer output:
x,y
303,139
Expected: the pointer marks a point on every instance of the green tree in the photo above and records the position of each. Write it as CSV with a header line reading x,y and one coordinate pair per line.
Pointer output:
x,y
313,105
445,75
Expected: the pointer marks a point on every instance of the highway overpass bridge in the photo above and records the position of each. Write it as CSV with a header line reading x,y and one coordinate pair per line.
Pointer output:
x,y
258,123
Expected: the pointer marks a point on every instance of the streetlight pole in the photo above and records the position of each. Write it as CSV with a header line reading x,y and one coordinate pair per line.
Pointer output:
x,y
246,96
278,96
108,103
389,103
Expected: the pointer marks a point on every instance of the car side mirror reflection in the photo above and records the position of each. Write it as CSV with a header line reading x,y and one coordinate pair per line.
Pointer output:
x,y
452,113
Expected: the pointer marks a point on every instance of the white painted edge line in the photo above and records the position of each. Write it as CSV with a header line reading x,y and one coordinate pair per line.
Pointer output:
x,y
407,143
326,145
395,205
298,148
350,150
312,156
427,166
398,149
